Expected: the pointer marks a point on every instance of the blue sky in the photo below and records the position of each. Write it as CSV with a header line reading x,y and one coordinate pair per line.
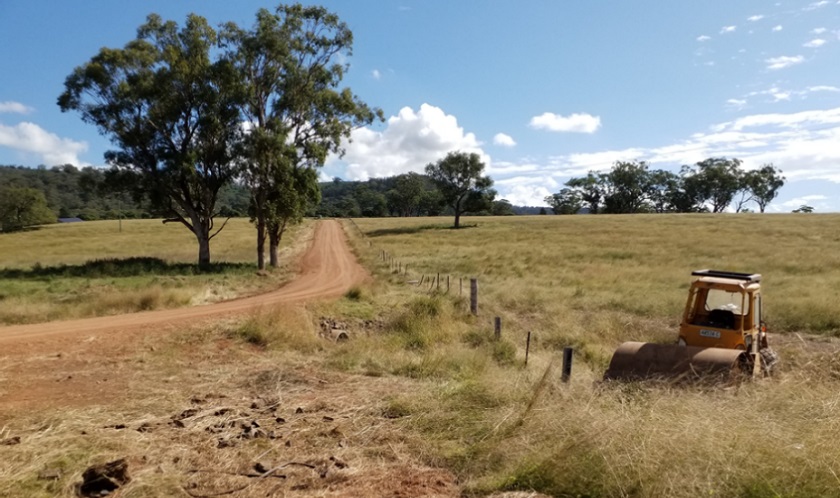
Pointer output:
x,y
543,90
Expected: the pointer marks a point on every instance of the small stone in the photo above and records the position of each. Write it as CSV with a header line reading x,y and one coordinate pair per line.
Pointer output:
x,y
102,480
10,441
49,475
299,410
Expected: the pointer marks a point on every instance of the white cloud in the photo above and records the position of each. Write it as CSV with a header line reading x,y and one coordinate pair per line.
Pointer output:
x,y
816,201
802,144
818,31
755,18
31,138
779,96
739,103
411,140
728,29
783,61
14,107
777,28
376,74
823,88
527,190
816,5
504,140
577,123
703,38
816,42
793,121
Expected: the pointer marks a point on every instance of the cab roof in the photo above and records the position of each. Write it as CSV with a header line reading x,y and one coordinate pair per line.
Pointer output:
x,y
729,275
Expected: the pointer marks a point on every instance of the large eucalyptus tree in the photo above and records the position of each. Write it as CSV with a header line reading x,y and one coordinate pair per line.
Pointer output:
x,y
291,64
169,106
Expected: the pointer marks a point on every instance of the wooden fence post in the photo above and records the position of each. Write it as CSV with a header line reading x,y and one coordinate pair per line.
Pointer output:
x,y
567,364
474,296
447,284
497,328
527,347
438,281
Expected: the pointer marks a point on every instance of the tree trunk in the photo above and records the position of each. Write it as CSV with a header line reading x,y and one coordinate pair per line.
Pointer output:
x,y
457,219
203,237
260,244
275,233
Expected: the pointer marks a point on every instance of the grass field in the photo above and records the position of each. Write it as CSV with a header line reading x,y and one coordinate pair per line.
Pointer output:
x,y
422,385
592,283
91,269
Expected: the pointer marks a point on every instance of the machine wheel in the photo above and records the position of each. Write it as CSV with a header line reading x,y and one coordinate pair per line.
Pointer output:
x,y
769,360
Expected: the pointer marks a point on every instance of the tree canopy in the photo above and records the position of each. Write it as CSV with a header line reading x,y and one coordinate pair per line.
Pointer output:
x,y
459,179
22,207
168,104
290,65
632,187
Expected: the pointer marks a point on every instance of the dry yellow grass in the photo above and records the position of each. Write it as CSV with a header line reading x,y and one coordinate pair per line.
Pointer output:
x,y
50,274
421,390
591,283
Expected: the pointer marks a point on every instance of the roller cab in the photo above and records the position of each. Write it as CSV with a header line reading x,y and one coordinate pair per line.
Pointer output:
x,y
721,334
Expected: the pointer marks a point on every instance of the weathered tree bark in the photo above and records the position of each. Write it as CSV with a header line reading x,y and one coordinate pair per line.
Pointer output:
x,y
261,244
275,234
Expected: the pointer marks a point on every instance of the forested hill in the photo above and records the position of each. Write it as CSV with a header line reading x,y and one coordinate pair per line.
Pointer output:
x,y
72,192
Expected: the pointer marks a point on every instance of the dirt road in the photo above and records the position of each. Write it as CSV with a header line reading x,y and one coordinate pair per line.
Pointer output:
x,y
328,269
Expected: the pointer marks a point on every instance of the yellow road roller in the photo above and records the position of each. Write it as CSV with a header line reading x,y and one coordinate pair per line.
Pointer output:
x,y
722,336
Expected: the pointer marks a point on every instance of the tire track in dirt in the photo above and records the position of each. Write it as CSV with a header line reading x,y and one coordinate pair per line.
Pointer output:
x,y
327,270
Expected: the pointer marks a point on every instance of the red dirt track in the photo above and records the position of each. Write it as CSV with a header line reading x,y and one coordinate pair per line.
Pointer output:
x,y
328,269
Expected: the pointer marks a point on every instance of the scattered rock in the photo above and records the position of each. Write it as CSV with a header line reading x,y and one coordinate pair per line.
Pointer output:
x,y
225,443
10,441
341,464
189,412
328,419
102,480
299,410
49,475
146,427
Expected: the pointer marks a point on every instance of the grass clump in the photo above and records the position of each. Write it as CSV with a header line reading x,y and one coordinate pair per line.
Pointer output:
x,y
279,328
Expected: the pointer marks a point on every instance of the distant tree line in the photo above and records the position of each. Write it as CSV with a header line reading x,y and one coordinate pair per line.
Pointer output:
x,y
713,185
407,195
37,196
70,192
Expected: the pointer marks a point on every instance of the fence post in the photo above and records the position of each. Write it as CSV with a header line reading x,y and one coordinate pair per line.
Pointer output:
x,y
474,296
447,284
438,281
527,347
460,286
567,364
497,328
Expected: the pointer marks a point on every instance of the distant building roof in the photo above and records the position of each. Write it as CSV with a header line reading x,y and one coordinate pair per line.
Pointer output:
x,y
70,220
